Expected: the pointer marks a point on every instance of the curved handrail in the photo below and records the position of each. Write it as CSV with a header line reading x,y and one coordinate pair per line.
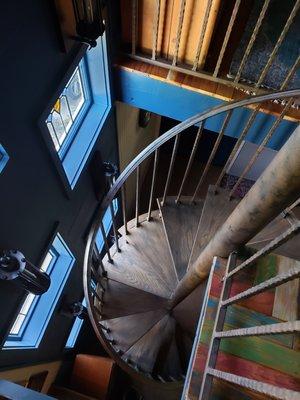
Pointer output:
x,y
132,166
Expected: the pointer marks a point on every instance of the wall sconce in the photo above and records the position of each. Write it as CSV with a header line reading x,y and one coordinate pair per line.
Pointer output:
x,y
14,267
89,21
80,20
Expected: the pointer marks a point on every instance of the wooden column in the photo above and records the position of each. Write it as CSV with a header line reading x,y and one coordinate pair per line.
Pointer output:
x,y
276,189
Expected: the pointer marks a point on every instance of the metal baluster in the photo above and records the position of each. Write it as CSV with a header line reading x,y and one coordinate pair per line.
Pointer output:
x,y
155,29
251,120
190,162
238,143
179,31
252,39
98,278
111,207
134,21
137,197
213,348
153,183
99,260
261,146
214,150
174,152
291,73
227,36
105,242
123,195
97,296
278,44
202,34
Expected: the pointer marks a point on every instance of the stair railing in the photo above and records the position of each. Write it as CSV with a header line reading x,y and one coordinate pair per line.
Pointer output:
x,y
197,67
225,271
94,274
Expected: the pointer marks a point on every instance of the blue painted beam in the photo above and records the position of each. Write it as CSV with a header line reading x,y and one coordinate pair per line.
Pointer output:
x,y
142,91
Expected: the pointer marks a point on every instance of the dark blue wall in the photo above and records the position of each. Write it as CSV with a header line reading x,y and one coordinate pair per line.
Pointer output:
x,y
33,199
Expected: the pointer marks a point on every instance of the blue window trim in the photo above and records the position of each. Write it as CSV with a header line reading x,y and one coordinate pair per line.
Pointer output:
x,y
107,223
71,162
4,158
77,325
86,136
31,335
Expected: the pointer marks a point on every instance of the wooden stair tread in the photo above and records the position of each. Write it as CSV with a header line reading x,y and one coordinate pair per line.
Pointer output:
x,y
150,242
275,228
129,329
188,310
180,223
216,210
144,352
185,345
133,270
121,300
170,360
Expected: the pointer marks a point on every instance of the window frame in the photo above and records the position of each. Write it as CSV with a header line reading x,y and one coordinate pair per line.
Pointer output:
x,y
74,160
77,324
4,158
34,327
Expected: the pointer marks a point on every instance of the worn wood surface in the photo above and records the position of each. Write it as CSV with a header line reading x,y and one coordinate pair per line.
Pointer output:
x,y
180,224
129,329
289,249
216,209
286,301
144,352
149,241
133,270
187,312
121,299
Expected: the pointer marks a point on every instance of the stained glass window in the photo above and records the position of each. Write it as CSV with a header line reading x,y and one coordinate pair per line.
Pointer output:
x,y
69,108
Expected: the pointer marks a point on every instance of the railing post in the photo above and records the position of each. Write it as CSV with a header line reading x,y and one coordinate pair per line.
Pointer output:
x,y
277,188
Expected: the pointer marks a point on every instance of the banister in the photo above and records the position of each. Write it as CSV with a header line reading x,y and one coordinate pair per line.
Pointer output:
x,y
119,184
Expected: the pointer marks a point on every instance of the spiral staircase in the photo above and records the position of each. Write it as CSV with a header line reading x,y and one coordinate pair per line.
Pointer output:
x,y
130,288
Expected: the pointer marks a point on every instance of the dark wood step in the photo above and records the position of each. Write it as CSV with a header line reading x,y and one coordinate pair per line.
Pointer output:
x,y
216,209
133,269
145,351
150,242
188,310
180,224
129,329
121,299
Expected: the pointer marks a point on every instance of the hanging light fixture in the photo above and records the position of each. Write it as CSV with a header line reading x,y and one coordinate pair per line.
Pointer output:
x,y
89,21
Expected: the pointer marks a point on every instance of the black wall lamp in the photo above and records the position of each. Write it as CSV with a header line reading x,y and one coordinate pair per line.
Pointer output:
x,y
89,21
80,20
14,267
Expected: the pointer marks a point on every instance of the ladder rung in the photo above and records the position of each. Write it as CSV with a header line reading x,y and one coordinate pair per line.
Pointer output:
x,y
281,327
270,283
284,237
257,386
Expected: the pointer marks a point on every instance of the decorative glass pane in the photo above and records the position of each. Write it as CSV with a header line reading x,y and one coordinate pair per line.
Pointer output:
x,y
66,109
27,303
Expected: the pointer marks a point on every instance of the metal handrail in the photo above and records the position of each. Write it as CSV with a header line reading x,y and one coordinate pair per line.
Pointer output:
x,y
94,314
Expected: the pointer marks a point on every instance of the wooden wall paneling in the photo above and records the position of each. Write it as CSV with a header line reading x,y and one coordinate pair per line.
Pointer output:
x,y
286,301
